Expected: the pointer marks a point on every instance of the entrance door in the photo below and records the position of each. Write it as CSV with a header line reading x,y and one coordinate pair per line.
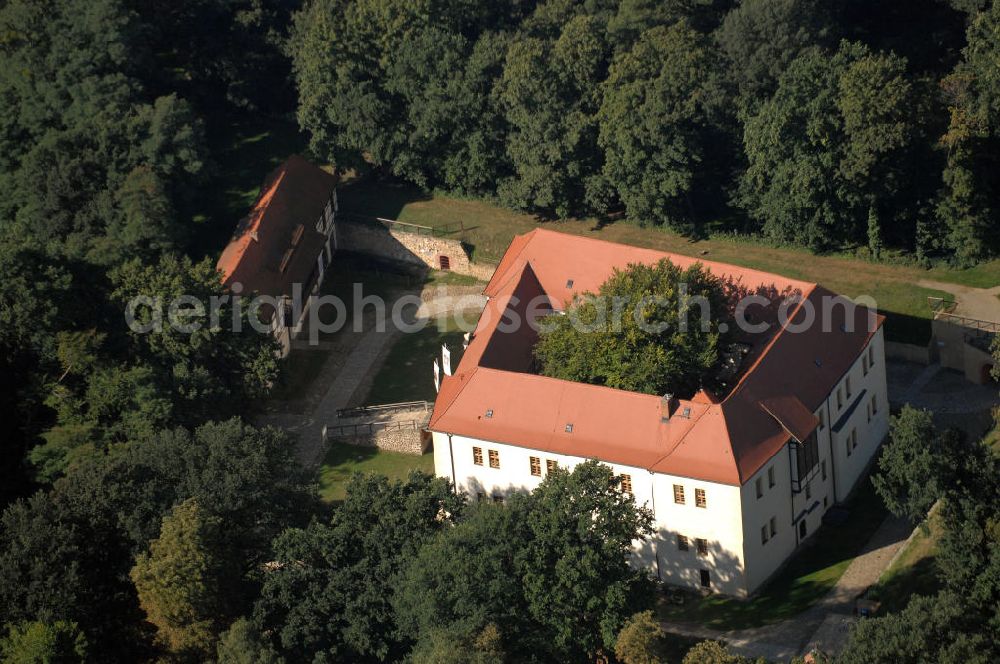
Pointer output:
x,y
706,581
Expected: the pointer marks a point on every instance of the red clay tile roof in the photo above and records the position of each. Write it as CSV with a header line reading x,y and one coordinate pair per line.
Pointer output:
x,y
723,441
293,194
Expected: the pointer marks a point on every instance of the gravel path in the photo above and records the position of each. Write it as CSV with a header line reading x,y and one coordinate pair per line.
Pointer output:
x,y
978,303
355,355
939,390
823,624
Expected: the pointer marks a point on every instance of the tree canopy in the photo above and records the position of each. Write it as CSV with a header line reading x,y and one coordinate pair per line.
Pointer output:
x,y
919,466
787,119
655,329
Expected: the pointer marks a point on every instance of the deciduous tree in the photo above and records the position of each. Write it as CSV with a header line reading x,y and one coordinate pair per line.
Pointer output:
x,y
328,594
60,642
665,337
832,138
639,640
182,581
658,102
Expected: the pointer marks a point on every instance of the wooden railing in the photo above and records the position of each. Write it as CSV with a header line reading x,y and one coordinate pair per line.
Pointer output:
x,y
982,326
405,226
371,428
426,406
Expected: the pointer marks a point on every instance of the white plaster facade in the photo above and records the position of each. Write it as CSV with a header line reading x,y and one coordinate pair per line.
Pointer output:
x,y
735,555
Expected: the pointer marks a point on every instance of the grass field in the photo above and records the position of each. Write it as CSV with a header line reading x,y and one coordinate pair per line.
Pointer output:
x,y
913,572
489,229
343,460
808,577
406,374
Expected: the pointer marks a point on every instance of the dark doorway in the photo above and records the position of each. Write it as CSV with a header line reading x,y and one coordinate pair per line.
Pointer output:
x,y
706,581
445,262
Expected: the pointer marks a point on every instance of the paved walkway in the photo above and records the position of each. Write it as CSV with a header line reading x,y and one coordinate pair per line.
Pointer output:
x,y
978,303
364,348
825,624
943,391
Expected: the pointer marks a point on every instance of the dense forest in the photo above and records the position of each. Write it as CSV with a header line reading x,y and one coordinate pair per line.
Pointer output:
x,y
143,519
827,124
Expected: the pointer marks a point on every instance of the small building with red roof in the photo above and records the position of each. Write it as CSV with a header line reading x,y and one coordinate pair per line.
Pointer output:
x,y
283,247
737,481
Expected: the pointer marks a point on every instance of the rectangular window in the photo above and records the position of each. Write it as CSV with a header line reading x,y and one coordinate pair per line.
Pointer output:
x,y
847,383
822,418
477,456
699,497
809,493
763,535
682,543
760,487
494,459
627,483
774,527
550,465
864,365
822,468
536,466
702,546
847,443
874,404
871,356
770,477
806,457
840,397
679,494
852,441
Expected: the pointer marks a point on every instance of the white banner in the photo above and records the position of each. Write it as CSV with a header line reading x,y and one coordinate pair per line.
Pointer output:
x,y
437,376
446,360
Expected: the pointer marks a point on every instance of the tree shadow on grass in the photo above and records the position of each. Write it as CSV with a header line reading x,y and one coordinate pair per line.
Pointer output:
x,y
921,578
379,197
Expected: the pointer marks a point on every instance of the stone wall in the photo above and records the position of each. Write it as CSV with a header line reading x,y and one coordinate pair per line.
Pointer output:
x,y
949,343
409,248
412,441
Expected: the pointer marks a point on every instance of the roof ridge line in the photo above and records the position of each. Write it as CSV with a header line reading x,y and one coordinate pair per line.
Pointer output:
x,y
680,440
697,259
516,256
455,396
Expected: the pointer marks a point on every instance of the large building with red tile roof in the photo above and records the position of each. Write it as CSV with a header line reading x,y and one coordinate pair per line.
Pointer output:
x,y
737,480
286,243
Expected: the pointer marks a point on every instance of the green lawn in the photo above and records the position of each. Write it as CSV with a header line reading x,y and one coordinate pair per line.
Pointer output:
x,y
807,578
406,374
343,460
489,229
914,571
